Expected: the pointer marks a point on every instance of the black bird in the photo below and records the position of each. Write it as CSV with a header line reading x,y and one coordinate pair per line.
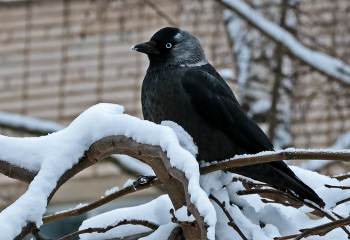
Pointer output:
x,y
181,86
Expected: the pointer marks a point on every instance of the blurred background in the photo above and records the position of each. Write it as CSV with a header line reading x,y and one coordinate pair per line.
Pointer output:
x,y
58,58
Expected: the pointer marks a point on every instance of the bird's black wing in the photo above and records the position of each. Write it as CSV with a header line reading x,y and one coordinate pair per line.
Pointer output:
x,y
214,101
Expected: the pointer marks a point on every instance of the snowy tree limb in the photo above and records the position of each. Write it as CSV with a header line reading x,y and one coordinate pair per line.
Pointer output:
x,y
327,65
174,181
158,160
16,172
280,197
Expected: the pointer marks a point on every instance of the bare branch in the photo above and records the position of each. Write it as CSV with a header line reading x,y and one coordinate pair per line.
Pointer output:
x,y
148,224
160,13
293,154
231,223
343,201
12,171
341,187
323,229
99,203
37,235
286,237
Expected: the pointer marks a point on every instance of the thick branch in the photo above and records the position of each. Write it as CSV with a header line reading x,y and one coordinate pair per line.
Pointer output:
x,y
176,185
157,159
15,172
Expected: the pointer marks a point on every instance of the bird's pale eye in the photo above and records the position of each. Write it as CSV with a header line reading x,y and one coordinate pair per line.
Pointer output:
x,y
168,45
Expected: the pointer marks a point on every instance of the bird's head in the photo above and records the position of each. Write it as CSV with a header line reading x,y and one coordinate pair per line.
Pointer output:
x,y
172,47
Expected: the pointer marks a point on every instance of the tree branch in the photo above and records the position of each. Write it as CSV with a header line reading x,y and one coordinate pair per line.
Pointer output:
x,y
174,181
339,70
231,223
148,224
323,229
288,154
99,203
157,159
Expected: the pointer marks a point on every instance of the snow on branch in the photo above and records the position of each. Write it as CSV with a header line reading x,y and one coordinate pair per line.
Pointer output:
x,y
26,124
48,162
323,63
101,131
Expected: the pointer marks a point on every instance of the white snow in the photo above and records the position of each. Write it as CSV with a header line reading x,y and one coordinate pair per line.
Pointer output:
x,y
128,183
111,191
185,140
322,62
57,152
343,142
260,106
156,211
17,120
162,233
242,51
80,205
227,73
135,165
52,155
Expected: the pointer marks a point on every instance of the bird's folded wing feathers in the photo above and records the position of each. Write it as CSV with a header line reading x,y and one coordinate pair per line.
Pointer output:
x,y
214,101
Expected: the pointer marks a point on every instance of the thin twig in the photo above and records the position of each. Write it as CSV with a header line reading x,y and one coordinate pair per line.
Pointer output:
x,y
160,13
99,203
323,229
341,187
37,235
148,224
342,177
343,201
317,211
286,237
231,223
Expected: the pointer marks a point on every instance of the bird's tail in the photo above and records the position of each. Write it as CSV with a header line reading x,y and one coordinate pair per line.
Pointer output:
x,y
280,176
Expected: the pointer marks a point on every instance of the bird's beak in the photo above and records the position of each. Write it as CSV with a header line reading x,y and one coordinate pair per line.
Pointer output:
x,y
146,47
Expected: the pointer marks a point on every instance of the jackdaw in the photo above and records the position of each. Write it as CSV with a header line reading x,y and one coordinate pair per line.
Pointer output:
x,y
181,86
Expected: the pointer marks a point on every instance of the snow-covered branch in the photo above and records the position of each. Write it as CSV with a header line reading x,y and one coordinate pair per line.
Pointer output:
x,y
26,124
332,67
48,162
101,131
